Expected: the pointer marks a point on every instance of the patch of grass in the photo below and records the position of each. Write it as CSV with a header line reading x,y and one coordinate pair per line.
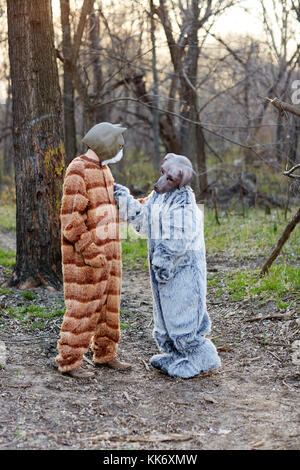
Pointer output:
x,y
8,217
28,295
7,258
123,324
281,282
254,235
6,291
135,252
35,315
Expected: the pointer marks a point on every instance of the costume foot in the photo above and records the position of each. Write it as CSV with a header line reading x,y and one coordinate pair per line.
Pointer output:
x,y
79,373
116,364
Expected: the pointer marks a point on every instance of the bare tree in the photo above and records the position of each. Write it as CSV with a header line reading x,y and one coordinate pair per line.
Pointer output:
x,y
184,54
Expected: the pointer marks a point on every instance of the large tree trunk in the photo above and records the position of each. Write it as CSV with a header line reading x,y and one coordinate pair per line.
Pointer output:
x,y
38,145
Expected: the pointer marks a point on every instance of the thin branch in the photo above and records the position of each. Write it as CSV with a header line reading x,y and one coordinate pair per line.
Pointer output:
x,y
85,11
289,172
282,106
172,113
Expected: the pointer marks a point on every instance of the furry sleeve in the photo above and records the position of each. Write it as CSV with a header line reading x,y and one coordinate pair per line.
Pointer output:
x,y
131,210
180,233
73,216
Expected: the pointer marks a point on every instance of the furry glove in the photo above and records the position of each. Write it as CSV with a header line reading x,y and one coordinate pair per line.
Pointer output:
x,y
163,270
93,258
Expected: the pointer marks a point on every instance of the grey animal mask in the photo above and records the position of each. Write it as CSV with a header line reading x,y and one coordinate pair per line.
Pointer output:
x,y
105,139
177,171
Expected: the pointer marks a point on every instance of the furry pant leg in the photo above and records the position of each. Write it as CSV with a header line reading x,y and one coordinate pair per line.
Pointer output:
x,y
78,327
107,334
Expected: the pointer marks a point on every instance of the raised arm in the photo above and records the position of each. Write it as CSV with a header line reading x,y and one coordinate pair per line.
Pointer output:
x,y
132,210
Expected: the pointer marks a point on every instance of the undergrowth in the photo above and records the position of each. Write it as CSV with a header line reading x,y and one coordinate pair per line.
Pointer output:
x,y
281,285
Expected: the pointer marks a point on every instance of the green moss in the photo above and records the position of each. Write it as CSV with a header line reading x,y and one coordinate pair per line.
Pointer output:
x,y
51,156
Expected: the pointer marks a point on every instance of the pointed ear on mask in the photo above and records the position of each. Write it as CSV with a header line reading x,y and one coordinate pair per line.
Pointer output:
x,y
186,174
120,128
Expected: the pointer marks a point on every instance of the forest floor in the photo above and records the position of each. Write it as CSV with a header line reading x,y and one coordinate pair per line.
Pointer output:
x,y
252,402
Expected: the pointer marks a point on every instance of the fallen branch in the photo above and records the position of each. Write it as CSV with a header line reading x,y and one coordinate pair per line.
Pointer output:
x,y
145,364
127,397
287,232
177,437
275,316
88,360
279,345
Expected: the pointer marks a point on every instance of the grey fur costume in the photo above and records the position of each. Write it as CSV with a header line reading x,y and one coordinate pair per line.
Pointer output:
x,y
174,226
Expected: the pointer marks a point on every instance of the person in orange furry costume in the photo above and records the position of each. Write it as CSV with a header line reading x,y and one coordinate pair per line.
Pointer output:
x,y
91,255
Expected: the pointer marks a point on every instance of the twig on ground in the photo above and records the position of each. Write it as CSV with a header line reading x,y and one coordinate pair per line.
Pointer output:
x,y
127,397
283,345
276,357
145,364
275,316
88,360
178,437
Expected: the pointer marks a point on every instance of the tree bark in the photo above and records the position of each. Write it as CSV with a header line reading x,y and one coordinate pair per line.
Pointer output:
x,y
38,143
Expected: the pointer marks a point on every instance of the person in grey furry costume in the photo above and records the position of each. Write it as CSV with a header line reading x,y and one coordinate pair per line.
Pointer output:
x,y
173,223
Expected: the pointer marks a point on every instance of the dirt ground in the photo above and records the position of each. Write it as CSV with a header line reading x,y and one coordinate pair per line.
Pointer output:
x,y
251,403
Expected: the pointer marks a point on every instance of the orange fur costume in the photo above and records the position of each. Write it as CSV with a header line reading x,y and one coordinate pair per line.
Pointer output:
x,y
91,263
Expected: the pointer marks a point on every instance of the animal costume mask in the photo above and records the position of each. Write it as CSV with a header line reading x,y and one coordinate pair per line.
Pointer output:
x,y
91,254
105,139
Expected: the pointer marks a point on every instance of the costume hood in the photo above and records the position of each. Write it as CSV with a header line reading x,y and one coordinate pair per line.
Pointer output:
x,y
106,140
